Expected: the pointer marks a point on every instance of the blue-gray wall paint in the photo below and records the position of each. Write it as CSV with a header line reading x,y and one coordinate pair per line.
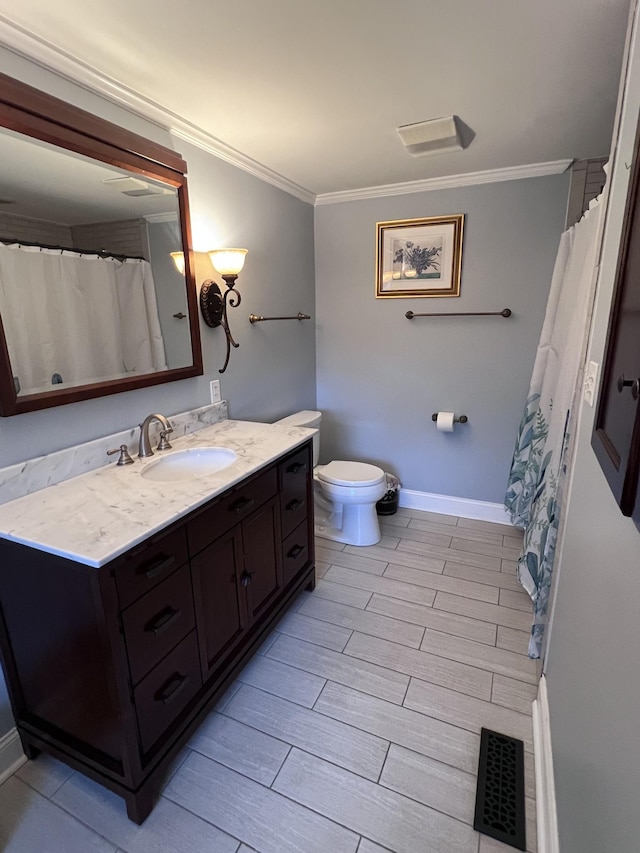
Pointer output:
x,y
273,371
380,376
594,646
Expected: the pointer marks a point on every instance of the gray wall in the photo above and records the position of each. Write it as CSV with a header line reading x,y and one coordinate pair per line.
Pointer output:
x,y
273,371
380,376
594,647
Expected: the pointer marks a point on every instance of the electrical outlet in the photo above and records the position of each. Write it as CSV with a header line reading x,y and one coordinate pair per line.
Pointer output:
x,y
216,395
591,382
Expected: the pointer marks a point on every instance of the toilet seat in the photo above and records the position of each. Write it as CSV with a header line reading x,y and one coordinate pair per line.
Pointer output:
x,y
353,474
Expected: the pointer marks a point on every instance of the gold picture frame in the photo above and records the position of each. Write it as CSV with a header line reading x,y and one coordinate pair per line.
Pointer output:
x,y
419,257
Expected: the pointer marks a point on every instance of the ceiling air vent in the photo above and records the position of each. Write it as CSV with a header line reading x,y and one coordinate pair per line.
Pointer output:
x,y
136,187
435,136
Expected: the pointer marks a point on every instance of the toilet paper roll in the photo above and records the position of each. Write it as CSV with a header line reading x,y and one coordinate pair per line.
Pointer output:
x,y
444,422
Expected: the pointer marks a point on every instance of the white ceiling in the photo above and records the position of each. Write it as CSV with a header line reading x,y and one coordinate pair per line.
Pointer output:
x,y
314,91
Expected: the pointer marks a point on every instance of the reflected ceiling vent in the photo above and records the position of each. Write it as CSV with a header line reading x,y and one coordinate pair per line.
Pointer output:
x,y
435,136
136,187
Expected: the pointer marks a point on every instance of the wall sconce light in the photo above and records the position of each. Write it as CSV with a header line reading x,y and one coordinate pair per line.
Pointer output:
x,y
213,304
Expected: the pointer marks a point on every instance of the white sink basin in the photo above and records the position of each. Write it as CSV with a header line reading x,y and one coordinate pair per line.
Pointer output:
x,y
188,463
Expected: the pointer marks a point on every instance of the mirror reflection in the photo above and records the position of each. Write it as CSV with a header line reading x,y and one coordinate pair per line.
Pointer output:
x,y
88,290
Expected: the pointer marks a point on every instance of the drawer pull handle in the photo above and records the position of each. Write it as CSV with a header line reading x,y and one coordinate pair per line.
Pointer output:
x,y
245,580
293,505
156,566
296,467
171,688
295,551
241,504
163,620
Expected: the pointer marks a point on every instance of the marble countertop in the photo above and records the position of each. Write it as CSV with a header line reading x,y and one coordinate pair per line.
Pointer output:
x,y
99,515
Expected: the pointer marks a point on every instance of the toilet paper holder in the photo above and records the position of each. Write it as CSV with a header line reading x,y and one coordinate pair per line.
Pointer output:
x,y
458,419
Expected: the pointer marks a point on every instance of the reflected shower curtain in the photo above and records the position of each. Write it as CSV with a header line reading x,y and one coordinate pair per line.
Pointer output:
x,y
81,317
544,442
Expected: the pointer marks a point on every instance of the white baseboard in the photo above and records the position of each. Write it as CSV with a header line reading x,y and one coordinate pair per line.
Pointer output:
x,y
448,505
11,755
546,813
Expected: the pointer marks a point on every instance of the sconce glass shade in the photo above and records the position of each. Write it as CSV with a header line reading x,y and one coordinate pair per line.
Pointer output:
x,y
178,260
228,261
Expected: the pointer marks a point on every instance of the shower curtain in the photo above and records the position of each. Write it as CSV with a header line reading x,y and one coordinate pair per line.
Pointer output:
x,y
78,317
544,443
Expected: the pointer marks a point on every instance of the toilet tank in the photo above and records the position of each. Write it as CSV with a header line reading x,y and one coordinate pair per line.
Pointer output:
x,y
309,419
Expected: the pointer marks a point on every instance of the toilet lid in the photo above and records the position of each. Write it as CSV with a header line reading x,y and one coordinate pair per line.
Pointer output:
x,y
341,473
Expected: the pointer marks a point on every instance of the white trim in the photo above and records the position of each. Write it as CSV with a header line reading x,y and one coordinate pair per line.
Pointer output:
x,y
470,179
449,505
546,811
21,41
11,755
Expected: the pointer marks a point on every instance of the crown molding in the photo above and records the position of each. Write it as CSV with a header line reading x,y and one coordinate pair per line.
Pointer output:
x,y
470,179
20,41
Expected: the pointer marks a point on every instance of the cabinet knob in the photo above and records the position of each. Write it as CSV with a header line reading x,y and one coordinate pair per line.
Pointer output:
x,y
297,466
245,579
634,384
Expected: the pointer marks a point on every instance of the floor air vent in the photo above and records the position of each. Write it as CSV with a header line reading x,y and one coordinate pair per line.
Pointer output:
x,y
500,792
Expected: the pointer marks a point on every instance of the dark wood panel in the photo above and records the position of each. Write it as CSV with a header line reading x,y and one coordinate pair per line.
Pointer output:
x,y
293,475
220,603
158,621
295,552
168,688
54,627
144,567
616,438
262,573
19,94
230,509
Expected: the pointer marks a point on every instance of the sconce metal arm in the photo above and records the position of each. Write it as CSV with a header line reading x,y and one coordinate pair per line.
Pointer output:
x,y
213,305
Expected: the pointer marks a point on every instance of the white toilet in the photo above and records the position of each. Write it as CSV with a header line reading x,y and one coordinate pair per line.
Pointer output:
x,y
345,492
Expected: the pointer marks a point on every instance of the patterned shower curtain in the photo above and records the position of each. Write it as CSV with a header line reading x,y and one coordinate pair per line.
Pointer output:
x,y
544,443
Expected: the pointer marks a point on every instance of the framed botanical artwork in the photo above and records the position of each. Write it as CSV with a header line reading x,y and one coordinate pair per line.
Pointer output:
x,y
419,257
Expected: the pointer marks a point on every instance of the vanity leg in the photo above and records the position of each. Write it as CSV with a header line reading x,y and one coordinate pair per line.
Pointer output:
x,y
29,749
312,583
140,804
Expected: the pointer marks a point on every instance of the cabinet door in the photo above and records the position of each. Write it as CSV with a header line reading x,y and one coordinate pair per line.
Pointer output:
x,y
221,614
262,575
616,438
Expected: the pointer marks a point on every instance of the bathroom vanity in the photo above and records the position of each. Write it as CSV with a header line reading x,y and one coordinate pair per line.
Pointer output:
x,y
116,645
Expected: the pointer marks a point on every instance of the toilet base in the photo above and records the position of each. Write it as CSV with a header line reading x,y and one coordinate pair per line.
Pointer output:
x,y
359,524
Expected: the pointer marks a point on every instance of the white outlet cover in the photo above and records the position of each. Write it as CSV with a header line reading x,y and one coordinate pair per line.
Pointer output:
x,y
591,382
216,395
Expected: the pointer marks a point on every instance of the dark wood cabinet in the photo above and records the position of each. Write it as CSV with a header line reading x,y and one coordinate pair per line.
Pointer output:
x,y
616,435
112,669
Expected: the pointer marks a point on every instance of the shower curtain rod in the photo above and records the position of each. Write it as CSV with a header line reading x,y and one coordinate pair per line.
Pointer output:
x,y
102,254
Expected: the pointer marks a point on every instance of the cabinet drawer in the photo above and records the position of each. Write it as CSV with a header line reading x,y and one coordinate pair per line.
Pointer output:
x,y
151,564
157,622
230,509
168,688
295,551
294,474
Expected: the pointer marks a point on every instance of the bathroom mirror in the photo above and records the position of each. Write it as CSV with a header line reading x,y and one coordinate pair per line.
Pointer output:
x,y
90,301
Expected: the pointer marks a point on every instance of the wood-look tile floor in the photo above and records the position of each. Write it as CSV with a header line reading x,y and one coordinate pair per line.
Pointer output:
x,y
356,726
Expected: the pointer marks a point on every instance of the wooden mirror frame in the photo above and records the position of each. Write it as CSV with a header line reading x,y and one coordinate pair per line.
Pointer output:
x,y
41,116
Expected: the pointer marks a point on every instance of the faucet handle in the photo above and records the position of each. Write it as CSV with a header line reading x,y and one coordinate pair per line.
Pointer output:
x,y
124,458
164,444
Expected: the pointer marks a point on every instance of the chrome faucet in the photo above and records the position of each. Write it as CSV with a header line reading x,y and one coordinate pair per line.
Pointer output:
x,y
144,448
